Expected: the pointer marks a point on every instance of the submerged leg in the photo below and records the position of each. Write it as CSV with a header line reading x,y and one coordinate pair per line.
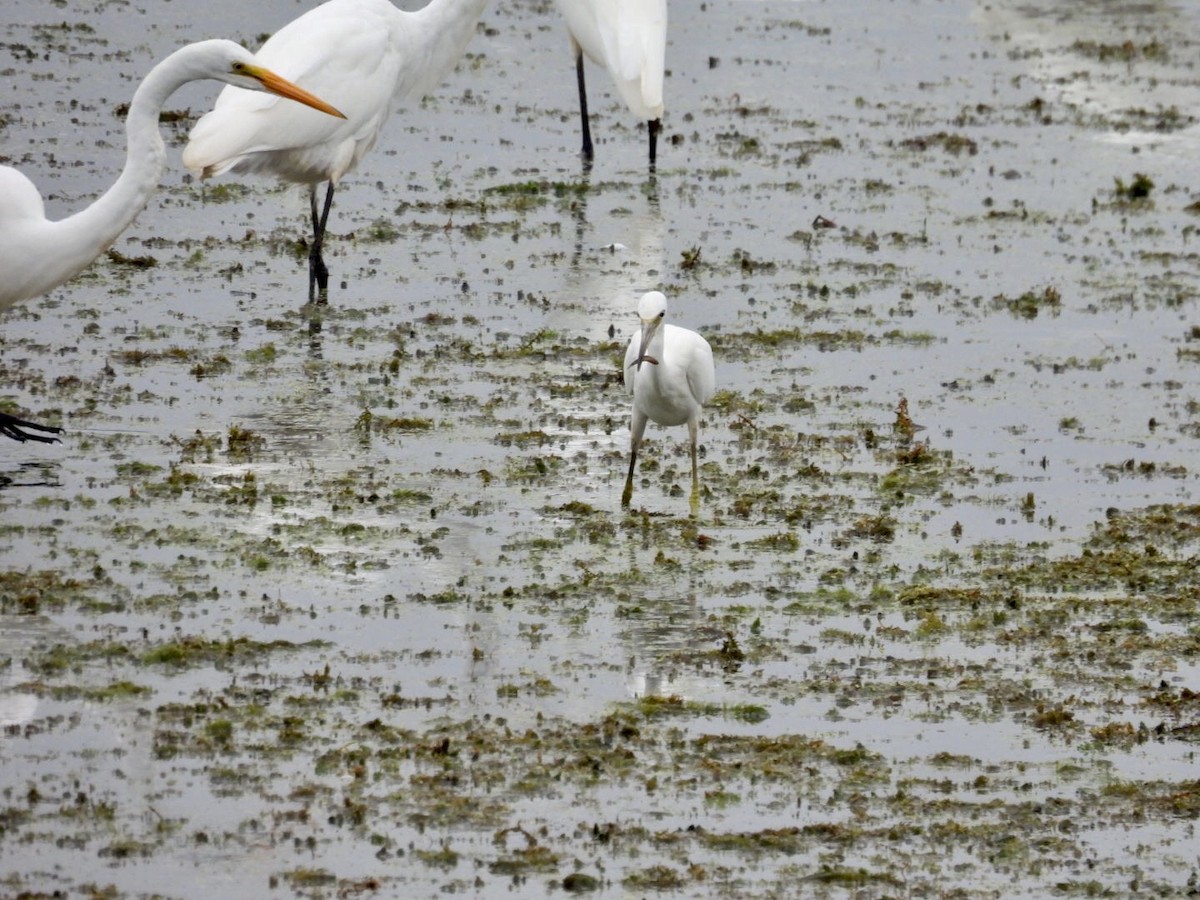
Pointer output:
x,y
654,126
583,110
627,494
12,427
318,274
693,432
636,430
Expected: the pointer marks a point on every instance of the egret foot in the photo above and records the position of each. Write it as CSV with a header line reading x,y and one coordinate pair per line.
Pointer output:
x,y
318,279
12,427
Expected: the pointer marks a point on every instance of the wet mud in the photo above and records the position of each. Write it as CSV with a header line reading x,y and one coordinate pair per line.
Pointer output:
x,y
335,601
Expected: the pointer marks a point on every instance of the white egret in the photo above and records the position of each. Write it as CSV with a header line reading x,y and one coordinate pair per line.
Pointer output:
x,y
37,254
629,39
366,56
669,371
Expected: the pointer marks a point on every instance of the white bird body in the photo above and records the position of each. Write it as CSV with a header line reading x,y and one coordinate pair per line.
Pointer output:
x,y
25,228
670,373
628,38
367,58
673,391
37,254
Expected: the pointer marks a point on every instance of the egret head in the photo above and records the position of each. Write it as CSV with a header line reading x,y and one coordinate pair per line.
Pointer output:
x,y
652,310
237,66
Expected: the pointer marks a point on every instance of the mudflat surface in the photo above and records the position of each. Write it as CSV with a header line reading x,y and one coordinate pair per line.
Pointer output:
x,y
341,600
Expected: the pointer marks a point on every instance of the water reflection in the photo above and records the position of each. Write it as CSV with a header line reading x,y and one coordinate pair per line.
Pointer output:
x,y
30,474
309,423
667,632
16,709
618,255
19,636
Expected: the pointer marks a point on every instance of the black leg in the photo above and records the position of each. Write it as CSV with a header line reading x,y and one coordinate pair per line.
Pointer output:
x,y
637,428
318,274
654,126
583,110
627,494
12,427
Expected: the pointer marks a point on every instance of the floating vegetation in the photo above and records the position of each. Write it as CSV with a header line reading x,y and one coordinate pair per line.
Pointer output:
x,y
1139,188
1126,51
1031,304
954,144
116,257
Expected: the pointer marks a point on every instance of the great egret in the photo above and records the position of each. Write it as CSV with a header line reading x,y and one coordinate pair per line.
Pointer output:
x,y
629,39
37,254
669,371
366,56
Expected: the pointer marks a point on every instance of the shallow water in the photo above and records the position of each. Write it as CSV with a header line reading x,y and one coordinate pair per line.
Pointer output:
x,y
248,634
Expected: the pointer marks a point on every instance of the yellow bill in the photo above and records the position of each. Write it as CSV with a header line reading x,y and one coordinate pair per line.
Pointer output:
x,y
277,84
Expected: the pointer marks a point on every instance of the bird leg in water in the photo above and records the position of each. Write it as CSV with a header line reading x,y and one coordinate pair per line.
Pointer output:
x,y
694,429
654,126
583,110
637,428
627,494
318,274
10,426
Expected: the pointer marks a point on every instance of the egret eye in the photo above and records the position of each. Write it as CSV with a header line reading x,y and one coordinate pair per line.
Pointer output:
x,y
663,314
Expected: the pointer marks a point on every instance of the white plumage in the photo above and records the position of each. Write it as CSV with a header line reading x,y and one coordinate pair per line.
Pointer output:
x,y
37,254
628,38
368,55
670,373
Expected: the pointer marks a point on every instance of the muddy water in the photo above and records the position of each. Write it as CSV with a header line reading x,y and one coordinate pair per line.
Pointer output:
x,y
251,635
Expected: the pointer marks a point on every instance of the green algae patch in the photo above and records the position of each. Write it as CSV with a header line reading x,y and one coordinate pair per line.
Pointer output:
x,y
29,593
525,861
61,658
580,882
656,878
139,358
665,707
369,423
852,877
116,691
195,651
1031,304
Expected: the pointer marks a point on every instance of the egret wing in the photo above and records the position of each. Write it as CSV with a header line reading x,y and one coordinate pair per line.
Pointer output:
x,y
634,33
336,49
701,372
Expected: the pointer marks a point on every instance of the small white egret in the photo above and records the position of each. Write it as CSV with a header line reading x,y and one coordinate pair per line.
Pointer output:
x,y
37,254
629,39
669,371
366,56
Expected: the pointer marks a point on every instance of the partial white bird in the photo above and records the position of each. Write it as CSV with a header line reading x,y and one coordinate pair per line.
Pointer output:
x,y
367,57
37,254
629,39
669,371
